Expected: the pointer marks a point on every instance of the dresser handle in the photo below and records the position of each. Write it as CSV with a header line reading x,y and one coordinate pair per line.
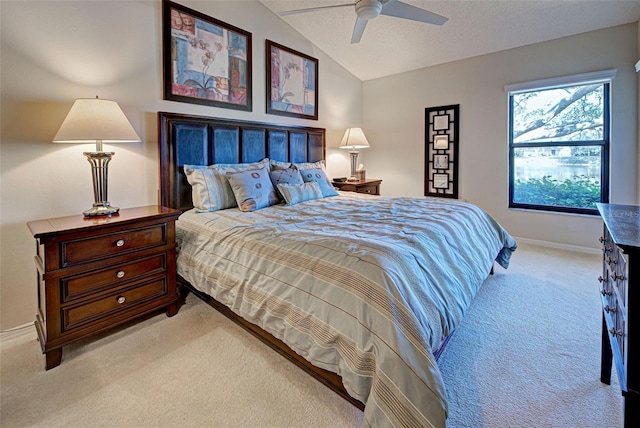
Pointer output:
x,y
121,299
605,292
608,309
601,279
616,277
612,261
120,274
615,332
120,243
601,239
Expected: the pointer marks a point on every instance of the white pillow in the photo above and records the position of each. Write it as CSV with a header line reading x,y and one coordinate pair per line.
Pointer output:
x,y
210,189
309,165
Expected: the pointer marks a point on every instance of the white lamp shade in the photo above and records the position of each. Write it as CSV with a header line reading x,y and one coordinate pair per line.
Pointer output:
x,y
354,139
93,119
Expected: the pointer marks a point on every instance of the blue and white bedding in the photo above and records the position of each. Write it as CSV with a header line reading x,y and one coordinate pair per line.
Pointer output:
x,y
363,286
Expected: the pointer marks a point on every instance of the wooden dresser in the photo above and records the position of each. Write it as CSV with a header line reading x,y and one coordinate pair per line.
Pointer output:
x,y
98,272
369,186
620,292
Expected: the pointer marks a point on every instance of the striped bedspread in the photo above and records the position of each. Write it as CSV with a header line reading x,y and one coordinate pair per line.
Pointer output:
x,y
363,286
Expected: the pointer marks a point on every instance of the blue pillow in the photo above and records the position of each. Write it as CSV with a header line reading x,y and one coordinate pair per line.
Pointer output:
x,y
252,189
285,176
296,193
318,175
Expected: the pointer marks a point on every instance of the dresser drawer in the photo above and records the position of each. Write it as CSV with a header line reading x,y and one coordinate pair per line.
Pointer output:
x,y
97,247
79,286
616,323
75,316
619,277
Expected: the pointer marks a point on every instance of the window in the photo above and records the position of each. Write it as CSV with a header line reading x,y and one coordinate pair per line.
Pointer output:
x,y
559,144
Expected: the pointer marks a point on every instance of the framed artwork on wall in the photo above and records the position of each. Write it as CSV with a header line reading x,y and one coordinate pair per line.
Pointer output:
x,y
205,61
442,143
292,82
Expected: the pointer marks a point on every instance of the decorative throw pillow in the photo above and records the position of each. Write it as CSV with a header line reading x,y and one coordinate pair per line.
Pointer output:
x,y
210,189
310,165
296,193
279,165
252,189
285,176
320,177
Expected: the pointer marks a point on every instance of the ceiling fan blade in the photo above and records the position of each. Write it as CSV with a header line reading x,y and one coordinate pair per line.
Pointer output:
x,y
358,29
312,9
407,11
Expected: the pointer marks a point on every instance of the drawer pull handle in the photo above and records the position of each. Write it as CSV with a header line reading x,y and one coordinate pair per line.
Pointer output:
x,y
121,299
601,239
616,277
601,279
120,243
120,274
608,309
612,261
615,332
605,292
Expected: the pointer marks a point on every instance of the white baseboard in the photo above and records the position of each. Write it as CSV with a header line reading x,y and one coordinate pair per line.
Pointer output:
x,y
559,246
27,328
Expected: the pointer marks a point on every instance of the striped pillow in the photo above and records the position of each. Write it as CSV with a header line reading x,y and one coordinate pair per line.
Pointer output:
x,y
296,193
210,189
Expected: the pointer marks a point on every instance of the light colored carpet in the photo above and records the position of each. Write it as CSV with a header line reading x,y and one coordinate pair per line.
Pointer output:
x,y
526,355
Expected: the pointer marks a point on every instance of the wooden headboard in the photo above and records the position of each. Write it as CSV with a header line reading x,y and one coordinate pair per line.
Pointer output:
x,y
199,140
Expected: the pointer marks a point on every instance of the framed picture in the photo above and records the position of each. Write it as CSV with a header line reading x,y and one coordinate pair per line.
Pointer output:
x,y
292,82
441,161
206,61
440,181
440,142
442,148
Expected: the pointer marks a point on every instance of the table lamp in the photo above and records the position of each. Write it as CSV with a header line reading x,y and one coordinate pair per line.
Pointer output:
x,y
354,139
94,120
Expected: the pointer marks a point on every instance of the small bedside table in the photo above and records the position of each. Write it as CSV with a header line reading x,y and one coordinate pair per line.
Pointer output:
x,y
98,272
371,187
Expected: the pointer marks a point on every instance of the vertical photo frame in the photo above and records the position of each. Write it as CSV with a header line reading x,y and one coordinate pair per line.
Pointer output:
x,y
292,82
205,61
442,144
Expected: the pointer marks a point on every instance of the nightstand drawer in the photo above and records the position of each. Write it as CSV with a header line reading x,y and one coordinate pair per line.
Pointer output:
x,y
370,189
76,316
78,286
89,249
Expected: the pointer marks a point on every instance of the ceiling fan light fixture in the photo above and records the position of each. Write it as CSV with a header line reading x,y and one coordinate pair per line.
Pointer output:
x,y
368,9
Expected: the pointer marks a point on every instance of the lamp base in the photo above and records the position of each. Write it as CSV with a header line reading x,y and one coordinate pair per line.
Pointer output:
x,y
99,163
101,210
354,162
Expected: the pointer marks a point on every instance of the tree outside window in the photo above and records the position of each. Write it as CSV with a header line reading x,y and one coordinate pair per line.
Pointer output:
x,y
559,148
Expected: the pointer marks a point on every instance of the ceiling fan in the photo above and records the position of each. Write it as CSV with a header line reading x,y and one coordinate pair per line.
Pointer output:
x,y
371,9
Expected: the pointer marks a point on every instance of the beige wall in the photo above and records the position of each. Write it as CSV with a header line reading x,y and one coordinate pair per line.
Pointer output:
x,y
394,123
53,52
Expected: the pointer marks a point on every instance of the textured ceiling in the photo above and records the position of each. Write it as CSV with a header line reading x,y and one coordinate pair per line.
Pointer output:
x,y
475,27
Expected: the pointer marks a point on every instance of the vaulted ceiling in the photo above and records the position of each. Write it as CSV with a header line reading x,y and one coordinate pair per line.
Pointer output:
x,y
392,45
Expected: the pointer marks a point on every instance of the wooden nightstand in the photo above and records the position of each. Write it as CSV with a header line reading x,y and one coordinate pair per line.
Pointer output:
x,y
98,272
371,187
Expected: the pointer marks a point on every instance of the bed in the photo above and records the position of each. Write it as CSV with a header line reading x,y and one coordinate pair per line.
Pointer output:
x,y
360,291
